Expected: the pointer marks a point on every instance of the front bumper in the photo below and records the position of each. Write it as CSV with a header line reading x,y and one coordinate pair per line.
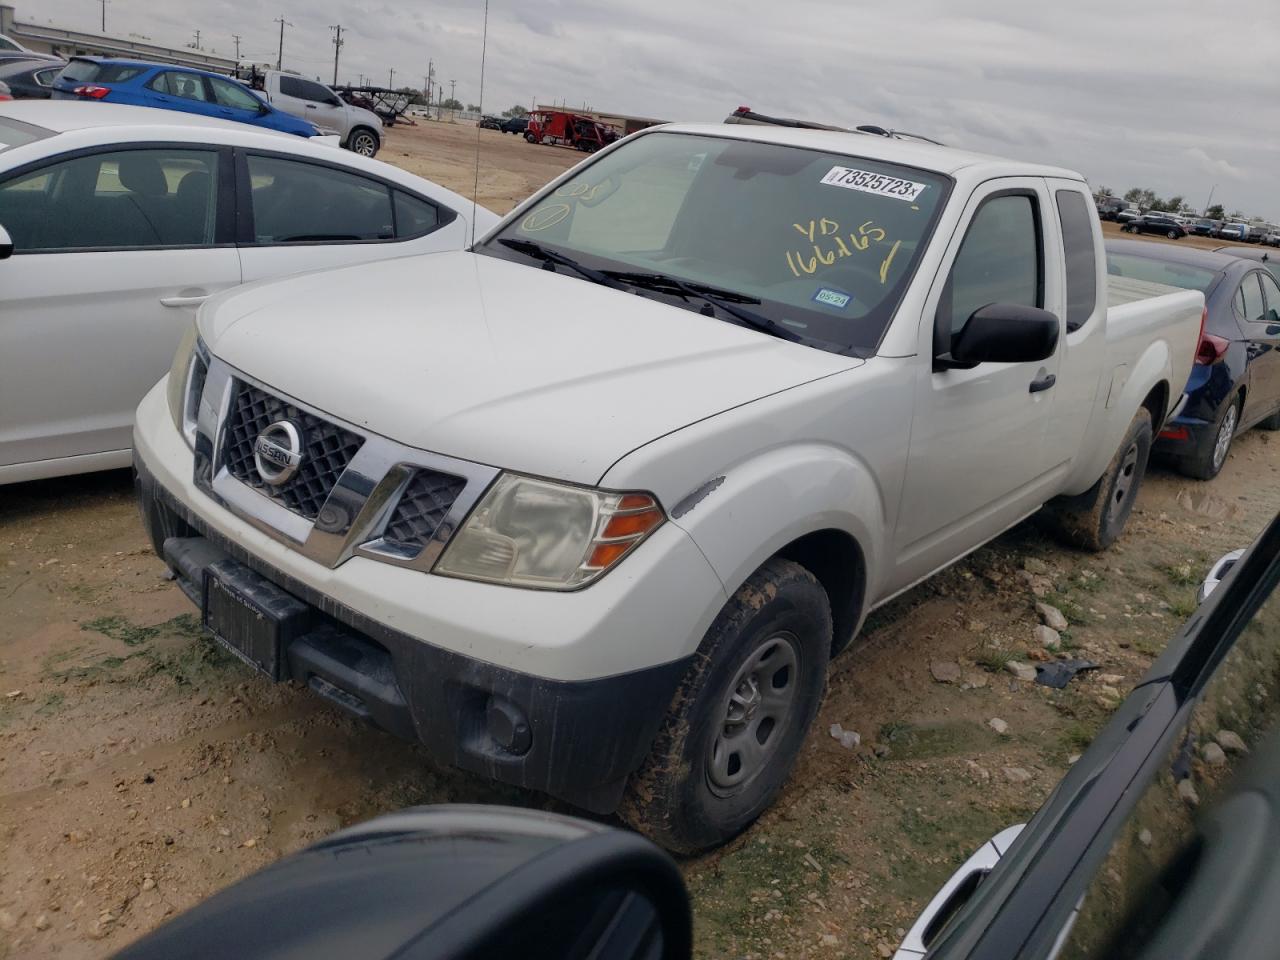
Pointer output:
x,y
591,673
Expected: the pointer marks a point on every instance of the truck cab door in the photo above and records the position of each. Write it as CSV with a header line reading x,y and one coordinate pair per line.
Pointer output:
x,y
976,458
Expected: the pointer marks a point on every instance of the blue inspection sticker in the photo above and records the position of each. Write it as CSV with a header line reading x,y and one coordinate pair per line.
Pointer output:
x,y
832,298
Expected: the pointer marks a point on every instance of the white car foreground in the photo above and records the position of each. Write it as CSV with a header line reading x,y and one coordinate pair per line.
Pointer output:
x,y
116,222
593,518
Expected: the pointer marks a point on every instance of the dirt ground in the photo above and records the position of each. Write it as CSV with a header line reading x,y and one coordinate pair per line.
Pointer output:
x,y
142,769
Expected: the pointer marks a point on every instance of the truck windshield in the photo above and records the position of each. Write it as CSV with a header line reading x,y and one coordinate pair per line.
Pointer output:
x,y
819,244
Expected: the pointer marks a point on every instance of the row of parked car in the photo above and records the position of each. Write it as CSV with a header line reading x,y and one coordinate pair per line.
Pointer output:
x,y
279,101
1176,226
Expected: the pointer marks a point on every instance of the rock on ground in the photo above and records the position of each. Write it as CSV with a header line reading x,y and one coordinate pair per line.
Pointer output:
x,y
1048,637
1051,616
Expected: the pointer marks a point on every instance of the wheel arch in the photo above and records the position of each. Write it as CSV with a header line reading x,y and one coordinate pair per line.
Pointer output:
x,y
836,559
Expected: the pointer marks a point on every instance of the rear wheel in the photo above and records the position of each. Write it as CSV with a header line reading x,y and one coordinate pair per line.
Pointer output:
x,y
1207,462
1172,234
363,142
736,725
1272,422
1094,520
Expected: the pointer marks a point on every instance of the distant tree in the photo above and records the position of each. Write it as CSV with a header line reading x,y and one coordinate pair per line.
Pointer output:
x,y
1148,199
451,104
473,108
1104,192
1133,195
516,111
1214,212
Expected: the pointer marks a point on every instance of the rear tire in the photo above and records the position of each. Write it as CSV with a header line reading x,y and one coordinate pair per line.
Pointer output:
x,y
1272,422
363,142
1207,462
1095,519
1172,234
740,716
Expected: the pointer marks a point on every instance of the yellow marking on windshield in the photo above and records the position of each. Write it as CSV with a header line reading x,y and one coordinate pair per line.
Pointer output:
x,y
837,246
884,266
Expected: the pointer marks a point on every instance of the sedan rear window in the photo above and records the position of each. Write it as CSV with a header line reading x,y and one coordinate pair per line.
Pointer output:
x,y
89,71
15,133
1180,275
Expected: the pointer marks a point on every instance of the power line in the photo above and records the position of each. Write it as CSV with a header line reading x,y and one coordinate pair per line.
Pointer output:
x,y
337,45
280,52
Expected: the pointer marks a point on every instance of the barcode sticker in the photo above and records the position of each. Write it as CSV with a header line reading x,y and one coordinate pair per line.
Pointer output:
x,y
878,183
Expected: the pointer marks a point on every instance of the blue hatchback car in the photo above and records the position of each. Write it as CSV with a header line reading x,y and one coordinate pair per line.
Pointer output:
x,y
170,87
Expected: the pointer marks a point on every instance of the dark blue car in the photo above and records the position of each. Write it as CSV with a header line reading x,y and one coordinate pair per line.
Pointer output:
x,y
1235,383
169,87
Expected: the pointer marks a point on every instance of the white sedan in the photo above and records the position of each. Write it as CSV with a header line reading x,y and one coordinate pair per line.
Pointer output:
x,y
116,222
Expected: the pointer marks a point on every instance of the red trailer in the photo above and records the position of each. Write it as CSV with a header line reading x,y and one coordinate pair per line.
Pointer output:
x,y
569,130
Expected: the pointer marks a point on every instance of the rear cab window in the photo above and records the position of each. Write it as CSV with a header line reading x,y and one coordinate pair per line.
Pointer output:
x,y
1079,246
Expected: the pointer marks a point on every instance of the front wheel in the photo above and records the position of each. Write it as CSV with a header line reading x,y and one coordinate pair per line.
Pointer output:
x,y
363,142
739,718
1094,520
1172,234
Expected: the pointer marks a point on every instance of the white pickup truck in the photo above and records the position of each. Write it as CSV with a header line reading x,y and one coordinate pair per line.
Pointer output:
x,y
357,129
589,507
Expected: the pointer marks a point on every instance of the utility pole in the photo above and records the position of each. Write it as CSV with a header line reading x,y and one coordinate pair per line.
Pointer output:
x,y
337,45
104,14
280,55
391,78
196,45
431,74
236,38
452,84
1208,203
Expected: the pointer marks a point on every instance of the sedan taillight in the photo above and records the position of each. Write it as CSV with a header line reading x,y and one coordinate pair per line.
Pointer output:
x,y
92,91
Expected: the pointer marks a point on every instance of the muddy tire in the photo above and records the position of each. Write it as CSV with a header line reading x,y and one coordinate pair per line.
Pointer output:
x,y
1208,461
738,720
1094,520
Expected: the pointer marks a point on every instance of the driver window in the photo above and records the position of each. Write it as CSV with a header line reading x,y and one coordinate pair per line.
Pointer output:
x,y
999,262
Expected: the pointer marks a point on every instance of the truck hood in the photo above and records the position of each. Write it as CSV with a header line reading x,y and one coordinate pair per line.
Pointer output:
x,y
497,362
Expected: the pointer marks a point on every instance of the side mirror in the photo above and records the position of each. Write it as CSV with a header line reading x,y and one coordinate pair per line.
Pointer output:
x,y
1004,333
6,244
450,882
955,893
1217,573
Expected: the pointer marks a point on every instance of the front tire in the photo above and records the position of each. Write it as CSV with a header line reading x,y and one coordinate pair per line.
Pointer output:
x,y
363,142
1172,234
1094,520
740,716
1208,461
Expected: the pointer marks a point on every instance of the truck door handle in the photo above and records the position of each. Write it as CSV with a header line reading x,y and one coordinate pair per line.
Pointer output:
x,y
1044,383
184,301
311,106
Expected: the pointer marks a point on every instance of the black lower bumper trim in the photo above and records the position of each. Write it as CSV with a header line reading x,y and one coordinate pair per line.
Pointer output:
x,y
587,736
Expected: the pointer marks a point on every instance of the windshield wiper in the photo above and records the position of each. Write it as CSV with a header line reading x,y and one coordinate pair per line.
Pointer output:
x,y
726,300
548,257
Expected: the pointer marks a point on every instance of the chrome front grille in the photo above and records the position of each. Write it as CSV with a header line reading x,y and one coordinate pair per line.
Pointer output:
x,y
328,449
353,493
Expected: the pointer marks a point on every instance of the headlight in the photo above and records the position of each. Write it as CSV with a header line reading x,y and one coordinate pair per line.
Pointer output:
x,y
186,384
535,533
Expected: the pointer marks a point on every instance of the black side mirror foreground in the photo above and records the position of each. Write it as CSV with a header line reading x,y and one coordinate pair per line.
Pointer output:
x,y
6,244
452,882
1003,333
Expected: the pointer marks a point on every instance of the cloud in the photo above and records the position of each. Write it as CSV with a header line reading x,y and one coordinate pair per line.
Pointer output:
x,y
1208,164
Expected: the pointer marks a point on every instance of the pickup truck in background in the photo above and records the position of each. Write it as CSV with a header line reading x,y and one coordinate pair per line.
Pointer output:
x,y
601,538
358,129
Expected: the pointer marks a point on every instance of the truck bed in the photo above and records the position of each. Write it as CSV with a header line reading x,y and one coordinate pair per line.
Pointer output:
x,y
1121,290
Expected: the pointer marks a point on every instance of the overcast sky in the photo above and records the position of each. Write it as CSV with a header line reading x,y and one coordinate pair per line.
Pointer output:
x,y
1175,95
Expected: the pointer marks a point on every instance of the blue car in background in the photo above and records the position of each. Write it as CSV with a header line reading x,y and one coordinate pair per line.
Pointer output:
x,y
1235,382
170,87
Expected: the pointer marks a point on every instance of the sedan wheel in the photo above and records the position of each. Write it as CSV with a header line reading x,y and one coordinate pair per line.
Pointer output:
x,y
1222,443
1172,234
